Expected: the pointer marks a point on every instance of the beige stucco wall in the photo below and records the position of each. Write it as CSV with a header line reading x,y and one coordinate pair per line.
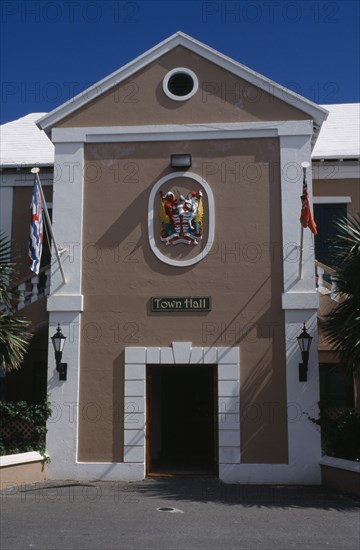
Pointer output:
x,y
19,474
242,273
341,480
339,187
222,97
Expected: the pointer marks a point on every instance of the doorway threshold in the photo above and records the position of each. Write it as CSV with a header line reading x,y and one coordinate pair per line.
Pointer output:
x,y
191,470
181,474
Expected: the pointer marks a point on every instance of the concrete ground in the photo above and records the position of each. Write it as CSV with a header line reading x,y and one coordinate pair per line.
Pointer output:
x,y
204,514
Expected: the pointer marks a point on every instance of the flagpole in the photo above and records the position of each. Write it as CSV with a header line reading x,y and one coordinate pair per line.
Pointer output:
x,y
48,221
301,252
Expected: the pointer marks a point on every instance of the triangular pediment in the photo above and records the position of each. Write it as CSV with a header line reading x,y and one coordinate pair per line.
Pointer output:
x,y
227,92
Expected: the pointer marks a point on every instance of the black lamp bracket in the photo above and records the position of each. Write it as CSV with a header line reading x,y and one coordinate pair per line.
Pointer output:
x,y
62,368
303,368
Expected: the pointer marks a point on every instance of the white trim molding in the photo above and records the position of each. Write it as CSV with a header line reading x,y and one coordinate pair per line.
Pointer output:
x,y
329,170
181,70
182,353
65,304
300,300
181,132
331,200
293,151
68,217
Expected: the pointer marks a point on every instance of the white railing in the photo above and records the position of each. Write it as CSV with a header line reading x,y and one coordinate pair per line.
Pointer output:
x,y
326,281
31,289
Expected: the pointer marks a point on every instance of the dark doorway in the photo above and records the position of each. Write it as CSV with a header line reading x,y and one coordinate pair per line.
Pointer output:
x,y
326,216
181,414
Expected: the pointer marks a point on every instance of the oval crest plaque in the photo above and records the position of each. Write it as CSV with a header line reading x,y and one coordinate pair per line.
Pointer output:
x,y
181,219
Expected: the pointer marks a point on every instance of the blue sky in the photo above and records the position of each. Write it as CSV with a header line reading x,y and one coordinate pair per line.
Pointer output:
x,y
54,49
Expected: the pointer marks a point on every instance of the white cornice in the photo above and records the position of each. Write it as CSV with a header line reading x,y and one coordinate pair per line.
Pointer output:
x,y
179,132
316,113
332,200
335,170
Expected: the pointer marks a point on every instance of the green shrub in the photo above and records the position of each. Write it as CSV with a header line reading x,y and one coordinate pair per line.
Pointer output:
x,y
339,432
23,427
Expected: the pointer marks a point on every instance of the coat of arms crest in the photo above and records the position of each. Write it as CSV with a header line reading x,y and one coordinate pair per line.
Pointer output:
x,y
181,218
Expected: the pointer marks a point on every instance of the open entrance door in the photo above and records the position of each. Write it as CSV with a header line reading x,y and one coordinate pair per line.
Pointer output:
x,y
181,420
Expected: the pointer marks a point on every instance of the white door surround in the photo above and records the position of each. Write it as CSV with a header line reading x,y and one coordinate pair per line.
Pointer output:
x,y
182,353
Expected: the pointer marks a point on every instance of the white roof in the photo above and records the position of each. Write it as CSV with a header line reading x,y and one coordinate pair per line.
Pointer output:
x,y
22,143
340,134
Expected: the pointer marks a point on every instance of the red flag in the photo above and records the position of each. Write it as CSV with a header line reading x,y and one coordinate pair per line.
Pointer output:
x,y
306,218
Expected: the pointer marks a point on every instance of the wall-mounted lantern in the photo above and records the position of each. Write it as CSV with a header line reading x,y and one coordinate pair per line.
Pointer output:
x,y
58,341
180,161
304,341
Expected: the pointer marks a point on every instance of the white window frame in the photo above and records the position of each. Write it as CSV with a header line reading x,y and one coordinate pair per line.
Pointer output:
x,y
185,71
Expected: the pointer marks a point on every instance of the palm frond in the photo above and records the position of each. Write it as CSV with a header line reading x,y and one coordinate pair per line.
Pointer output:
x,y
7,266
14,331
14,338
342,325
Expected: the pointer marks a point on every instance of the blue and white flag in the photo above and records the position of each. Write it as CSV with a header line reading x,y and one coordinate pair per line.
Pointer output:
x,y
36,231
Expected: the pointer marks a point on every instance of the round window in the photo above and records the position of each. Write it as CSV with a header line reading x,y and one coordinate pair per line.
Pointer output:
x,y
180,84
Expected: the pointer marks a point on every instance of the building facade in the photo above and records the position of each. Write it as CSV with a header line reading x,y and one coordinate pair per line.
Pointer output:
x,y
177,184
